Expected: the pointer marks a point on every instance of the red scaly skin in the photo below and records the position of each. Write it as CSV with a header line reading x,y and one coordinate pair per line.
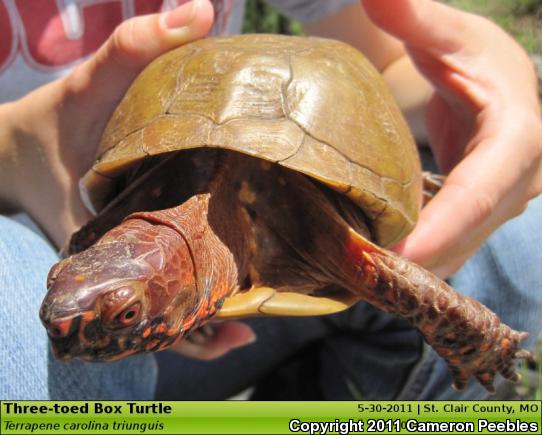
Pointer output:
x,y
141,287
463,331
216,269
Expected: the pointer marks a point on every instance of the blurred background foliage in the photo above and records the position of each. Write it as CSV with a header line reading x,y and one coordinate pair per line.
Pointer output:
x,y
521,18
260,17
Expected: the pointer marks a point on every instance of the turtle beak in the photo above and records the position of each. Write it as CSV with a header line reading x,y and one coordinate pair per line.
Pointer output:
x,y
61,353
63,333
58,328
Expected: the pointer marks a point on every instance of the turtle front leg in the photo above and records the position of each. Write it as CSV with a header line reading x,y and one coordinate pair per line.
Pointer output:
x,y
466,333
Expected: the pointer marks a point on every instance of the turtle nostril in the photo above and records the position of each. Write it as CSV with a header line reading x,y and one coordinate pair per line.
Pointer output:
x,y
55,332
59,328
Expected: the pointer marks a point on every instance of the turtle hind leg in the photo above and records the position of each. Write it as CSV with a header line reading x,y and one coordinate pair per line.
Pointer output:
x,y
463,331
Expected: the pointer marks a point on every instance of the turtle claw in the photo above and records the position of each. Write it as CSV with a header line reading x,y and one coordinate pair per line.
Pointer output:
x,y
461,379
526,355
515,377
486,379
486,363
459,384
510,374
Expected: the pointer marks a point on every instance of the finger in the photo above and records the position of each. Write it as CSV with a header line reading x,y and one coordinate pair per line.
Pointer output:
x,y
492,184
421,23
227,336
135,43
453,47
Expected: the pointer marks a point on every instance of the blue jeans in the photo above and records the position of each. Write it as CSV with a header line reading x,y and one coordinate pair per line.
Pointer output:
x,y
27,370
364,353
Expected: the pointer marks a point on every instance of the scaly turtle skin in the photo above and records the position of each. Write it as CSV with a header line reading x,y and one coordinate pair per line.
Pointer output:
x,y
256,175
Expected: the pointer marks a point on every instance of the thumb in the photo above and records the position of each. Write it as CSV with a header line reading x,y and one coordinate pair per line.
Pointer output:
x,y
134,44
424,24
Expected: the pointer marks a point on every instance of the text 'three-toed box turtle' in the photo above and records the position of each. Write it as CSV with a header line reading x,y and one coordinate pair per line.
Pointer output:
x,y
256,175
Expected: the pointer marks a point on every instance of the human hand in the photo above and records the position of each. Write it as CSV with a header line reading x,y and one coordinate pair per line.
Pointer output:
x,y
54,131
214,340
483,123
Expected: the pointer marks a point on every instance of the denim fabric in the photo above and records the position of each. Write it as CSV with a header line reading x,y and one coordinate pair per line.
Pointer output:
x,y
27,370
364,353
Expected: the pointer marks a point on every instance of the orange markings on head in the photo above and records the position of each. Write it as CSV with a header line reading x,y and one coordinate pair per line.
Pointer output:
x,y
62,327
160,328
505,343
80,277
146,332
201,314
188,323
151,344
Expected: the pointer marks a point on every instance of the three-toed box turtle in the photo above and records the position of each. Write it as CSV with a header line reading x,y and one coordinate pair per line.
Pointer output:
x,y
256,175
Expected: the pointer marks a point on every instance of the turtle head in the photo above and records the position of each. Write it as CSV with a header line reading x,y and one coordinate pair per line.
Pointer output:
x,y
129,293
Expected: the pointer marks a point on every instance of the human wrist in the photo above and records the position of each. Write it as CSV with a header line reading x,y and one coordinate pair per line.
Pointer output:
x,y
29,158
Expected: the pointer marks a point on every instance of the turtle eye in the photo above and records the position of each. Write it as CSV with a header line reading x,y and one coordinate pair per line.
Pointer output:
x,y
130,315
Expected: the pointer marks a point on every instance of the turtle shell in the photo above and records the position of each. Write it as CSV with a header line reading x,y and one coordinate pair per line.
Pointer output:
x,y
313,105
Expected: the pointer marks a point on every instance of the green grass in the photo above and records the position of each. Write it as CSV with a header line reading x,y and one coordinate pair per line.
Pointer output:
x,y
521,18
530,388
260,17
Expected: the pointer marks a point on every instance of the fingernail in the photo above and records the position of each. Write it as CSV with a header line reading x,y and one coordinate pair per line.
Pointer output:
x,y
181,17
251,339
